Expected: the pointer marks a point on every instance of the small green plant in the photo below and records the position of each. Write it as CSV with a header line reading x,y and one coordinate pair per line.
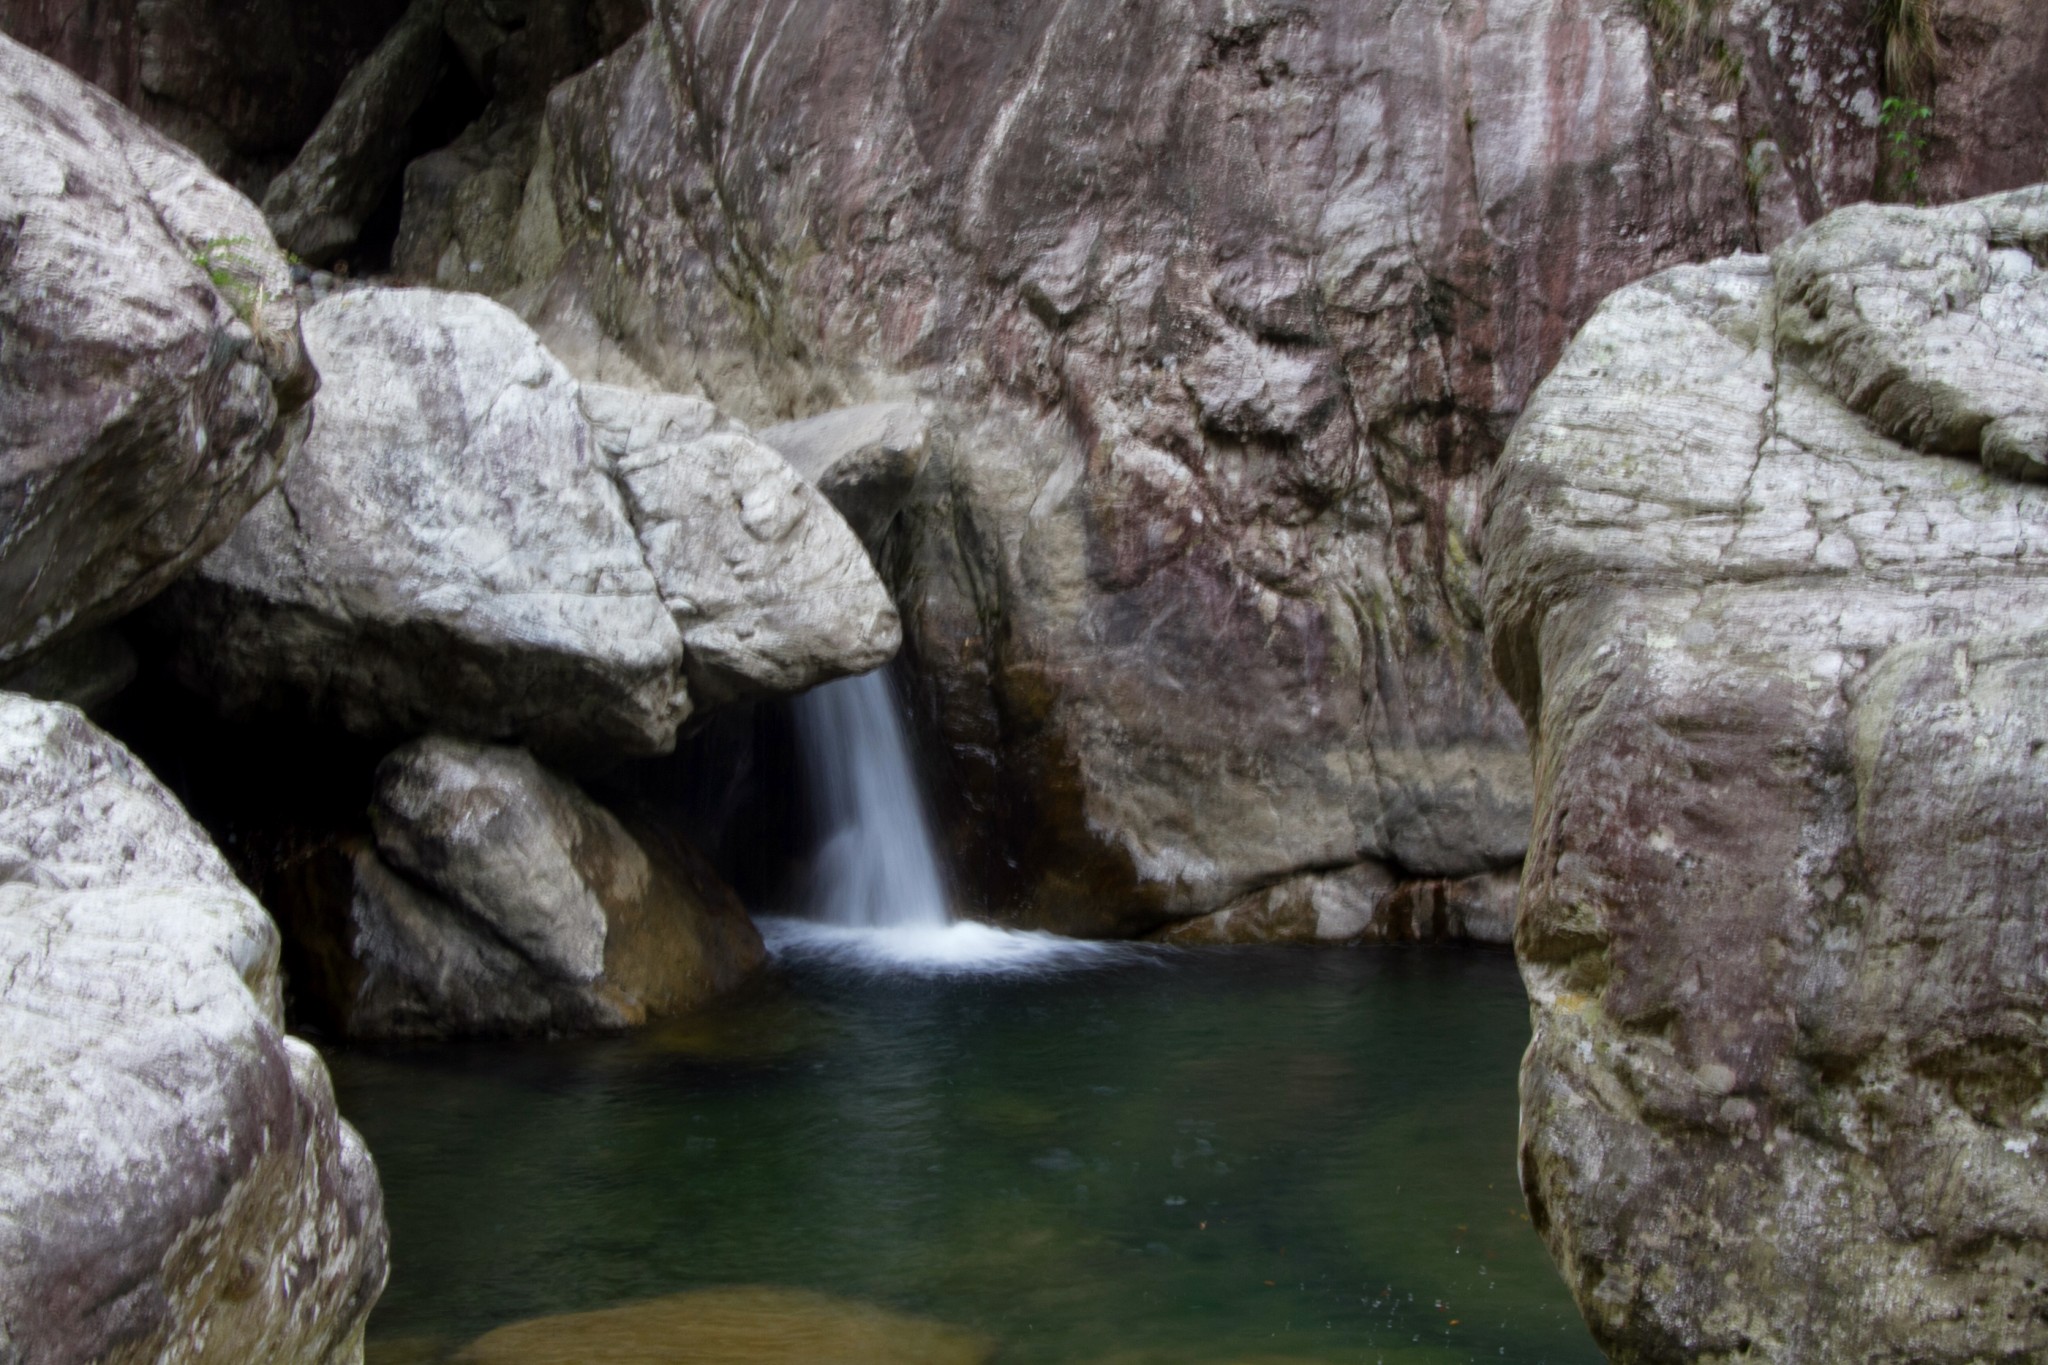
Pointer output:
x,y
236,273
1903,123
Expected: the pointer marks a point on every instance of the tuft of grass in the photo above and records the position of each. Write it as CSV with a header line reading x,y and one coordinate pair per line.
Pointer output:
x,y
1689,31
1906,30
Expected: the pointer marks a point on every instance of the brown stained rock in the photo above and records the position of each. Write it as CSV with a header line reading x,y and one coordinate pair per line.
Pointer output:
x,y
738,1326
1364,904
240,82
499,900
1787,682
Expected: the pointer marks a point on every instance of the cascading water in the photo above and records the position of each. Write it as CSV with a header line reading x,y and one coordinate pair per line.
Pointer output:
x,y
877,867
877,895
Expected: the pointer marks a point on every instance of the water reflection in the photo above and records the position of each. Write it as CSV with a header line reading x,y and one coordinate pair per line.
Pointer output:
x,y
1204,1158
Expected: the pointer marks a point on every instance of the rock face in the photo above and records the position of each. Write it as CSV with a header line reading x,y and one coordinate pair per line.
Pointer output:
x,y
319,204
1762,580
866,460
177,1185
499,899
1220,312
240,82
460,549
151,376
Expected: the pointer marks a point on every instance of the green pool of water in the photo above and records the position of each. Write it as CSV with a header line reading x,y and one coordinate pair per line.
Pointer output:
x,y
1209,1156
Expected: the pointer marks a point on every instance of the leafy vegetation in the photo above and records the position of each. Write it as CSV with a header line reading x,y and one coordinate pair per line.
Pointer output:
x,y
1904,138
236,273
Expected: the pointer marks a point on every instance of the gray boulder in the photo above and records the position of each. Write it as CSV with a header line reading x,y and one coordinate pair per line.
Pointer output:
x,y
450,551
476,544
152,381
772,592
501,900
865,459
177,1185
1781,651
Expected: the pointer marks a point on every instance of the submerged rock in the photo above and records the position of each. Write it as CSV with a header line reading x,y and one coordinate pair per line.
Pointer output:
x,y
500,900
474,543
742,1326
1761,578
1362,904
177,1186
152,381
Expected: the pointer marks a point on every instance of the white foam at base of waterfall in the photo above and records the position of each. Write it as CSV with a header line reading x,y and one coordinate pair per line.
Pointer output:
x,y
876,899
962,948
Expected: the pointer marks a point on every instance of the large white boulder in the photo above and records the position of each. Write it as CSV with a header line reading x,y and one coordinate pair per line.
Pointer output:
x,y
151,377
176,1186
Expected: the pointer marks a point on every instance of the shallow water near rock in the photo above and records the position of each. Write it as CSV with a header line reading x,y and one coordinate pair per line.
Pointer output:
x,y
1131,1155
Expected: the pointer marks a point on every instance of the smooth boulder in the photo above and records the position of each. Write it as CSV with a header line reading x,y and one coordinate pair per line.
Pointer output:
x,y
177,1186
500,900
152,381
772,592
473,543
1786,677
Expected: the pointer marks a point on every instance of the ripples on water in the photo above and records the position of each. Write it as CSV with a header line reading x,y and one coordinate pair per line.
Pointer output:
x,y
966,1145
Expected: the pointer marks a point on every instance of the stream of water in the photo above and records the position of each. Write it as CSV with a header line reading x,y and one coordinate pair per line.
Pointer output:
x,y
922,1142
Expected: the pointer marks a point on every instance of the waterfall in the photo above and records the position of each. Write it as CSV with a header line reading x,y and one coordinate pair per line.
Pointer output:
x,y
877,867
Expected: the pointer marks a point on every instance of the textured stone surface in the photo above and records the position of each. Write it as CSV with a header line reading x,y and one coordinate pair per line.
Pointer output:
x,y
500,900
1786,677
241,82
1361,904
473,542
772,592
318,205
151,375
866,459
177,1186
1219,313
449,551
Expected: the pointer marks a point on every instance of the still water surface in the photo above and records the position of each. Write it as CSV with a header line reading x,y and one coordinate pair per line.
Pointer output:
x,y
1151,1156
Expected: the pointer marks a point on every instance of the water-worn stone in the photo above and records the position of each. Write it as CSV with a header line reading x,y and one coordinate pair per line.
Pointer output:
x,y
448,552
744,1326
1360,904
474,543
866,459
177,1185
151,376
500,900
772,592
1219,312
1787,680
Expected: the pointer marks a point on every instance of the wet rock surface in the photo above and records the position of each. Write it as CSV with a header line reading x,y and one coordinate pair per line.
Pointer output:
x,y
152,382
1765,585
177,1184
771,1326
